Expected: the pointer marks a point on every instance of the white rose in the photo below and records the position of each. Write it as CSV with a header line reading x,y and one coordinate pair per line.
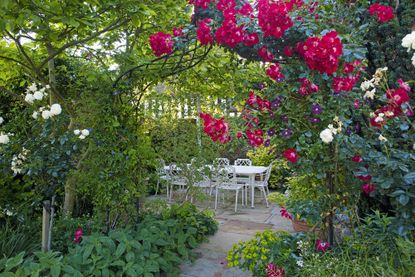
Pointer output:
x,y
76,132
38,95
35,115
326,136
1,120
46,114
82,137
32,87
4,138
55,109
409,41
29,98
85,132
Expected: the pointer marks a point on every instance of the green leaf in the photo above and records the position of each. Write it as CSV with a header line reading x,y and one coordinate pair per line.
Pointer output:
x,y
15,261
403,199
55,270
409,178
87,252
120,249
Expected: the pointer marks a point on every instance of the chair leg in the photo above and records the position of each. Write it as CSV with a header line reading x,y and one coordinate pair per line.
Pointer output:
x,y
216,198
242,197
236,200
157,187
167,192
267,189
265,196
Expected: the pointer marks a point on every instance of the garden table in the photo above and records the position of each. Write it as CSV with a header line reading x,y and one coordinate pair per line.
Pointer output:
x,y
246,171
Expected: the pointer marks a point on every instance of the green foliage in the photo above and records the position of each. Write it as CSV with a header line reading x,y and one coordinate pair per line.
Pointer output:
x,y
279,248
263,156
371,251
17,238
155,247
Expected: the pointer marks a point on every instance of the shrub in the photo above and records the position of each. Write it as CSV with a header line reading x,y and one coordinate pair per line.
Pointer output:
x,y
155,247
279,248
17,238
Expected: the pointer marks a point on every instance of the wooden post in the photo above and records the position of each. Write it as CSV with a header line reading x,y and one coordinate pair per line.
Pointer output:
x,y
45,225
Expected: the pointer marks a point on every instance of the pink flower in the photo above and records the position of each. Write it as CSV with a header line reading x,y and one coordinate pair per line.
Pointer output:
x,y
204,4
404,85
323,53
203,32
274,72
161,43
216,129
357,159
273,18
382,12
368,188
177,32
274,271
251,39
285,213
397,96
291,155
356,104
307,87
265,55
78,235
322,246
365,177
344,83
239,134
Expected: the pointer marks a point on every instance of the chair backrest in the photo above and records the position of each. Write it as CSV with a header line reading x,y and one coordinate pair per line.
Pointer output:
x,y
268,172
222,161
243,162
161,169
227,175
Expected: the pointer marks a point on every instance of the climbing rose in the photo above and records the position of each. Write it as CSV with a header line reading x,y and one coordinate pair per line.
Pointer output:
x,y
322,246
216,129
291,155
203,32
161,43
256,137
204,4
365,177
368,188
177,32
322,54
229,33
239,134
344,83
78,235
273,18
274,271
274,72
265,55
307,87
251,39
383,13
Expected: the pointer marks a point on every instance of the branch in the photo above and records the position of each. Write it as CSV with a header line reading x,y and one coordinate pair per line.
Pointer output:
x,y
16,61
111,27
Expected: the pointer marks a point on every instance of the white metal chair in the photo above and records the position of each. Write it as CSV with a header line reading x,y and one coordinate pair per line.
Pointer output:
x,y
243,162
162,175
227,182
261,182
176,179
222,161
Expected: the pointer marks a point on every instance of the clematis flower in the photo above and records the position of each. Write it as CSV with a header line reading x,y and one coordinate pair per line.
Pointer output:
x,y
78,235
274,271
368,188
316,108
291,155
287,133
322,246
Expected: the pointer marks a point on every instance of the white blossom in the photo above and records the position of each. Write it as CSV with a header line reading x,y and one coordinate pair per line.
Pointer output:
x,y
370,94
326,135
35,114
85,132
4,138
82,137
46,114
76,132
8,213
366,85
300,263
409,41
332,129
55,109
1,120
32,87
29,98
47,86
38,95
382,138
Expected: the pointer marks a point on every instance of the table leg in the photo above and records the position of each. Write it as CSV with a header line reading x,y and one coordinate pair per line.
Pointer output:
x,y
251,181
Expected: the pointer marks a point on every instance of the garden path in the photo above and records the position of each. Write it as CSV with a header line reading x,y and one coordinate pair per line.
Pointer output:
x,y
233,227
